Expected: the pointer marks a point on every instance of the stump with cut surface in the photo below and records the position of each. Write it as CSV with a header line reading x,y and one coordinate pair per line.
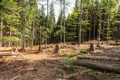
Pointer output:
x,y
57,47
91,49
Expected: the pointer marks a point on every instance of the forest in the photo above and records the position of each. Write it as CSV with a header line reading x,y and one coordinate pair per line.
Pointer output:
x,y
59,39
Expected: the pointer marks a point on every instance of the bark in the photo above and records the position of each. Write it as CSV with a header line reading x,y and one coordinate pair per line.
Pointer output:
x,y
80,24
91,49
100,24
98,66
98,58
33,30
1,34
64,23
57,47
40,38
47,24
8,54
109,14
10,40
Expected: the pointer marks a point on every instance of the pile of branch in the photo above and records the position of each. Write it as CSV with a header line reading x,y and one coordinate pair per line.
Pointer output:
x,y
99,63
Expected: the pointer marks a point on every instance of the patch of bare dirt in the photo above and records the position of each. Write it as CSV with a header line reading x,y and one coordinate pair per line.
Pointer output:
x,y
48,66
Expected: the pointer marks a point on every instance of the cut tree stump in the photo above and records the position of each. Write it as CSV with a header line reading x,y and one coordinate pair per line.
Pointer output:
x,y
99,58
99,66
57,47
91,49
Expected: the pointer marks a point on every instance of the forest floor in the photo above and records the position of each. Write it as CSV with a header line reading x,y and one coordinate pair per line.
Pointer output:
x,y
46,65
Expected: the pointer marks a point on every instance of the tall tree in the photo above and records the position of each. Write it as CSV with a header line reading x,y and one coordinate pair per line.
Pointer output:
x,y
80,24
52,21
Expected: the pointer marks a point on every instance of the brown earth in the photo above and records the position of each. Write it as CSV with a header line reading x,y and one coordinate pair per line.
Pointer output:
x,y
48,66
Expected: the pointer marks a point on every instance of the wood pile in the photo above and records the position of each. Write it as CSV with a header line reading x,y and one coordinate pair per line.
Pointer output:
x,y
105,63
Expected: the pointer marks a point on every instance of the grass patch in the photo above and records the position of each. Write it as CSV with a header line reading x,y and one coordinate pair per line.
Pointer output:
x,y
70,71
96,74
118,54
70,60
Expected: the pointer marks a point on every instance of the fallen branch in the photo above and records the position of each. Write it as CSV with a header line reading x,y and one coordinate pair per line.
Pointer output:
x,y
99,58
16,77
74,74
29,69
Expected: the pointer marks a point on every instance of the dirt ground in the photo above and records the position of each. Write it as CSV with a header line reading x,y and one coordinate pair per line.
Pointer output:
x,y
48,66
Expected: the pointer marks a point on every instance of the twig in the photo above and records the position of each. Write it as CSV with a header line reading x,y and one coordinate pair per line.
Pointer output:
x,y
16,77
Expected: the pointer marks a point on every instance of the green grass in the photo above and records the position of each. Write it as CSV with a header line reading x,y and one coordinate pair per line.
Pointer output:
x,y
118,54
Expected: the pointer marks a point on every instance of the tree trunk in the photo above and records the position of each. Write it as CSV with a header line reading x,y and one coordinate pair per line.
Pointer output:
x,y
109,14
98,58
98,66
94,30
47,24
1,34
40,38
10,39
33,31
80,24
64,22
99,31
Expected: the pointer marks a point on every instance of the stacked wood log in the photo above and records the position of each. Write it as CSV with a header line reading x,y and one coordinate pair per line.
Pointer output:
x,y
104,63
14,52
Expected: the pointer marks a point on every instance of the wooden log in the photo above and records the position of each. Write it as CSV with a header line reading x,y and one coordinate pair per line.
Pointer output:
x,y
99,58
8,54
98,66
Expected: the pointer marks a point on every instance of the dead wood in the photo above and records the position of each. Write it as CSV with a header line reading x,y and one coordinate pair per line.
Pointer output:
x,y
8,54
57,47
98,66
74,74
29,69
16,77
91,49
99,58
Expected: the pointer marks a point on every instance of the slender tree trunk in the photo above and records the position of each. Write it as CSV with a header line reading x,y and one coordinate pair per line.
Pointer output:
x,y
99,31
108,28
1,34
47,24
23,33
23,38
94,30
61,23
10,39
64,23
39,48
80,24
33,31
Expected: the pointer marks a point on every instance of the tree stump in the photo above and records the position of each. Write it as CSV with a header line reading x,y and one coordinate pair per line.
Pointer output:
x,y
91,49
57,47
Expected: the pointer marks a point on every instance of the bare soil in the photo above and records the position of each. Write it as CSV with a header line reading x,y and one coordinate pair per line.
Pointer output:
x,y
30,65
